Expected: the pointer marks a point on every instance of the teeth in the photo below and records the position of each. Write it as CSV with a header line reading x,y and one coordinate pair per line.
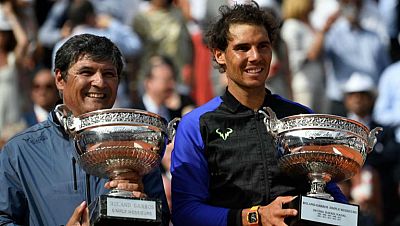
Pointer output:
x,y
255,70
96,95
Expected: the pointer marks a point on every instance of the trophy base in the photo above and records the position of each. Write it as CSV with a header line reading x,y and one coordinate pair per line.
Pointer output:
x,y
321,212
123,211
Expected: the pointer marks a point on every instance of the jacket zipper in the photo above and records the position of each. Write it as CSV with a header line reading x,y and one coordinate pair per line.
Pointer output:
x,y
258,118
74,174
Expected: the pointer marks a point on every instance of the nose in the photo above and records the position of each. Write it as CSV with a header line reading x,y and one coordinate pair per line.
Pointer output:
x,y
98,80
254,54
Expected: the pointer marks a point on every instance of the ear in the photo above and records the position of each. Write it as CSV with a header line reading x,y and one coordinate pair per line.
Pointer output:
x,y
60,83
219,56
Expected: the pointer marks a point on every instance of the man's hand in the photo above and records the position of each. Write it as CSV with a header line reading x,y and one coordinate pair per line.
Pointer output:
x,y
129,181
80,217
273,214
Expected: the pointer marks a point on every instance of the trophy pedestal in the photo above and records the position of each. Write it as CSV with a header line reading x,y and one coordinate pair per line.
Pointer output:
x,y
321,212
122,211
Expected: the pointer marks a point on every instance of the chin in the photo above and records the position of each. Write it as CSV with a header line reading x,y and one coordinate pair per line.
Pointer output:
x,y
95,108
256,85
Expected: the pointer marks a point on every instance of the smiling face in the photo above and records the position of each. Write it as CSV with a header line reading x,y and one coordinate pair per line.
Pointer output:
x,y
247,58
89,85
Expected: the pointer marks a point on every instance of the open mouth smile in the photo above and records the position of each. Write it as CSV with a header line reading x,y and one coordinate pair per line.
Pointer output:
x,y
96,95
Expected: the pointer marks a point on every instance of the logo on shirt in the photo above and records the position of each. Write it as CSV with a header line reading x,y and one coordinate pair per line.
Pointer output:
x,y
225,135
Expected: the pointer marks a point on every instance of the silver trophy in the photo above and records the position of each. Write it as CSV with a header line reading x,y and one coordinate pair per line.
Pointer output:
x,y
321,148
110,142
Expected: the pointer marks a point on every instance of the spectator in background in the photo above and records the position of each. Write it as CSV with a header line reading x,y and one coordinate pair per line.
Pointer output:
x,y
160,92
44,96
362,190
201,86
386,112
82,18
159,85
161,97
163,31
387,106
350,47
54,28
360,93
13,46
279,79
390,12
305,45
365,187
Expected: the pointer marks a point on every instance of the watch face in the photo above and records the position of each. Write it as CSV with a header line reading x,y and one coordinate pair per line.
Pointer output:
x,y
252,217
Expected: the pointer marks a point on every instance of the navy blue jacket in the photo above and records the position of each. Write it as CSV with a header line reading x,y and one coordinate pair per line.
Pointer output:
x,y
224,161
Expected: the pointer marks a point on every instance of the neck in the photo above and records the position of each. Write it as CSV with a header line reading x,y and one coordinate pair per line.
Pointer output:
x,y
156,99
251,98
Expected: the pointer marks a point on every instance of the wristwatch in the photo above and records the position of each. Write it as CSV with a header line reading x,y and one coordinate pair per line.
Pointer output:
x,y
252,216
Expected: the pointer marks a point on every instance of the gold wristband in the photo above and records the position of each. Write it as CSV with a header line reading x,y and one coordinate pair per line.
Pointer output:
x,y
253,216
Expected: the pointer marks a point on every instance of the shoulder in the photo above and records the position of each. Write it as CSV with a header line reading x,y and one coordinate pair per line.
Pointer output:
x,y
284,107
30,118
34,135
196,113
391,71
191,120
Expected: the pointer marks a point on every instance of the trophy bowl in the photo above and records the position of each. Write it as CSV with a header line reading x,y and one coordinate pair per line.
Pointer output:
x,y
320,147
111,142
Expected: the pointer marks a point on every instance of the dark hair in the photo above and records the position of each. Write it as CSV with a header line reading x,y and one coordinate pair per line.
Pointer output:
x,y
79,11
95,47
217,34
157,60
9,43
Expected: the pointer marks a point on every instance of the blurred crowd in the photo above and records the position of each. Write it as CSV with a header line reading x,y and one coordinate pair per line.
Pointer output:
x,y
337,57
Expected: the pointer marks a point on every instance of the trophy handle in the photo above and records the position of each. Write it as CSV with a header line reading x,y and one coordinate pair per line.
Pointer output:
x,y
372,138
271,121
171,128
66,119
60,111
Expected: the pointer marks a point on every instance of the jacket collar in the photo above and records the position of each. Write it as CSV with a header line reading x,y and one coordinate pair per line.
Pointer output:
x,y
54,120
235,106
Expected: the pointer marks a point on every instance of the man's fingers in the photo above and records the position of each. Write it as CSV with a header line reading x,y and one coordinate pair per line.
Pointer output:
x,y
130,187
85,217
285,199
77,214
125,185
132,176
288,213
139,194
79,210
115,183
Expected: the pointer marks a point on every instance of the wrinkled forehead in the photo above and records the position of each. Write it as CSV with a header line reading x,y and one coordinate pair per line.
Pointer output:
x,y
87,59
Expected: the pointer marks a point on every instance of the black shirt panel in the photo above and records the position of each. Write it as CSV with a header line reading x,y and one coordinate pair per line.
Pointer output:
x,y
242,155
